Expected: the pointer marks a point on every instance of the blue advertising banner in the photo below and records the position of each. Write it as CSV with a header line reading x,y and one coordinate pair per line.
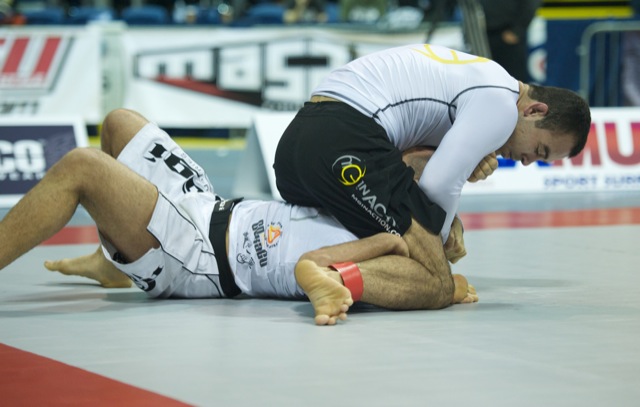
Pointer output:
x,y
29,148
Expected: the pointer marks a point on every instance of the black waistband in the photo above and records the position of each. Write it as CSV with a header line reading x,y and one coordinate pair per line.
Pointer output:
x,y
217,236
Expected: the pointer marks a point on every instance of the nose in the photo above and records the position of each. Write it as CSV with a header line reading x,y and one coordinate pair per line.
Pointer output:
x,y
525,160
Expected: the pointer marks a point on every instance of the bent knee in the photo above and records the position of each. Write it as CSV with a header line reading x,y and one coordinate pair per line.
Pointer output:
x,y
80,159
118,128
77,167
117,116
440,293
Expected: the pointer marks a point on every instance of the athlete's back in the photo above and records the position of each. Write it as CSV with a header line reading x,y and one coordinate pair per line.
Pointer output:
x,y
416,91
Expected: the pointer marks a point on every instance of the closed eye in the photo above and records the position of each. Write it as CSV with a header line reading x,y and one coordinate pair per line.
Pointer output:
x,y
543,152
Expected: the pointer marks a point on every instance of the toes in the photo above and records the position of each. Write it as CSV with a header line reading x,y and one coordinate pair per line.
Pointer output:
x,y
332,317
53,265
322,319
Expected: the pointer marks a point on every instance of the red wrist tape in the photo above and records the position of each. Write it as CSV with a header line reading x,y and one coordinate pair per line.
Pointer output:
x,y
352,278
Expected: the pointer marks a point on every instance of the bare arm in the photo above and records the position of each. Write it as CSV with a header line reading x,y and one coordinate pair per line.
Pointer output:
x,y
417,158
391,279
356,251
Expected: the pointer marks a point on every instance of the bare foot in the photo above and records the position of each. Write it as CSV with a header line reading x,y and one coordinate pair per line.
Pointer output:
x,y
464,292
472,296
330,299
93,266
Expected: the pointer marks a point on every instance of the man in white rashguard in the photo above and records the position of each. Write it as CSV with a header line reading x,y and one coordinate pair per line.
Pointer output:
x,y
163,227
342,151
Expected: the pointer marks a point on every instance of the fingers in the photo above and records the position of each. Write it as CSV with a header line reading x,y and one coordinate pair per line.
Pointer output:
x,y
454,248
455,257
486,167
455,252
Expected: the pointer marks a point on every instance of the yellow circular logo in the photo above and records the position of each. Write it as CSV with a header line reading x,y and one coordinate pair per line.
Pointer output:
x,y
349,169
351,174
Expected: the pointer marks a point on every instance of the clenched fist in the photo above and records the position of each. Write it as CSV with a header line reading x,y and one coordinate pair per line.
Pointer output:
x,y
486,167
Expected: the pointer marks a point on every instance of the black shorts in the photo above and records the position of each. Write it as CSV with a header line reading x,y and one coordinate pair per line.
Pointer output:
x,y
334,157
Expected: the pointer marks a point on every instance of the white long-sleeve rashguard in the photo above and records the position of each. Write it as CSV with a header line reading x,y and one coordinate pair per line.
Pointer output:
x,y
426,95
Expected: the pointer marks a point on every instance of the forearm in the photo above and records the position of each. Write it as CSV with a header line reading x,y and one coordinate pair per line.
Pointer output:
x,y
417,158
400,283
358,250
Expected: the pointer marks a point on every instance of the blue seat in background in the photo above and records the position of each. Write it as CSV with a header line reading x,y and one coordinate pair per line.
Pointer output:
x,y
150,14
84,14
209,15
263,13
44,16
333,12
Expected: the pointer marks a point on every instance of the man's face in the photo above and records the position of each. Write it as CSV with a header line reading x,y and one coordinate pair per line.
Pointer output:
x,y
528,144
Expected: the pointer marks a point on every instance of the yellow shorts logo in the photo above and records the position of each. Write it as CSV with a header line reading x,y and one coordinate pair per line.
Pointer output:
x,y
351,174
349,169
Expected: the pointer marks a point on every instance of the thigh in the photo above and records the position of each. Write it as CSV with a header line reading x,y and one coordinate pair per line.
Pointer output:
x,y
184,265
120,202
334,157
157,158
118,128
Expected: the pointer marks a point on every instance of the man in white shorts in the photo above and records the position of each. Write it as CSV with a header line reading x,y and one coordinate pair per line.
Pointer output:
x,y
157,229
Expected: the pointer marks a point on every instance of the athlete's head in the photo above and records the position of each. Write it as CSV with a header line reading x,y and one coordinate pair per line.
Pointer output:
x,y
553,123
567,113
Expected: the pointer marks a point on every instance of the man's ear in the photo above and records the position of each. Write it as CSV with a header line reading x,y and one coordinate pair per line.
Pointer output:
x,y
536,109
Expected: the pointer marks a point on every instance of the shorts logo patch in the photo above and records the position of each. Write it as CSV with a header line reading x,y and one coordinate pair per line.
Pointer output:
x,y
245,258
263,238
349,169
178,165
146,284
273,233
258,238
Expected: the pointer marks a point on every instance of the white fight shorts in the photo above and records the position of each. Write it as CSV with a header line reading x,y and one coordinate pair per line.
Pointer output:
x,y
184,266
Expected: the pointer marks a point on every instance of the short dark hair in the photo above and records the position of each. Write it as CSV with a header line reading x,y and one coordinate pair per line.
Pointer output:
x,y
568,113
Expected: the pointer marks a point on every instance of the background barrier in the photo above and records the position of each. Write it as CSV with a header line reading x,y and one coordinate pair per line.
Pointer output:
x,y
187,77
29,147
